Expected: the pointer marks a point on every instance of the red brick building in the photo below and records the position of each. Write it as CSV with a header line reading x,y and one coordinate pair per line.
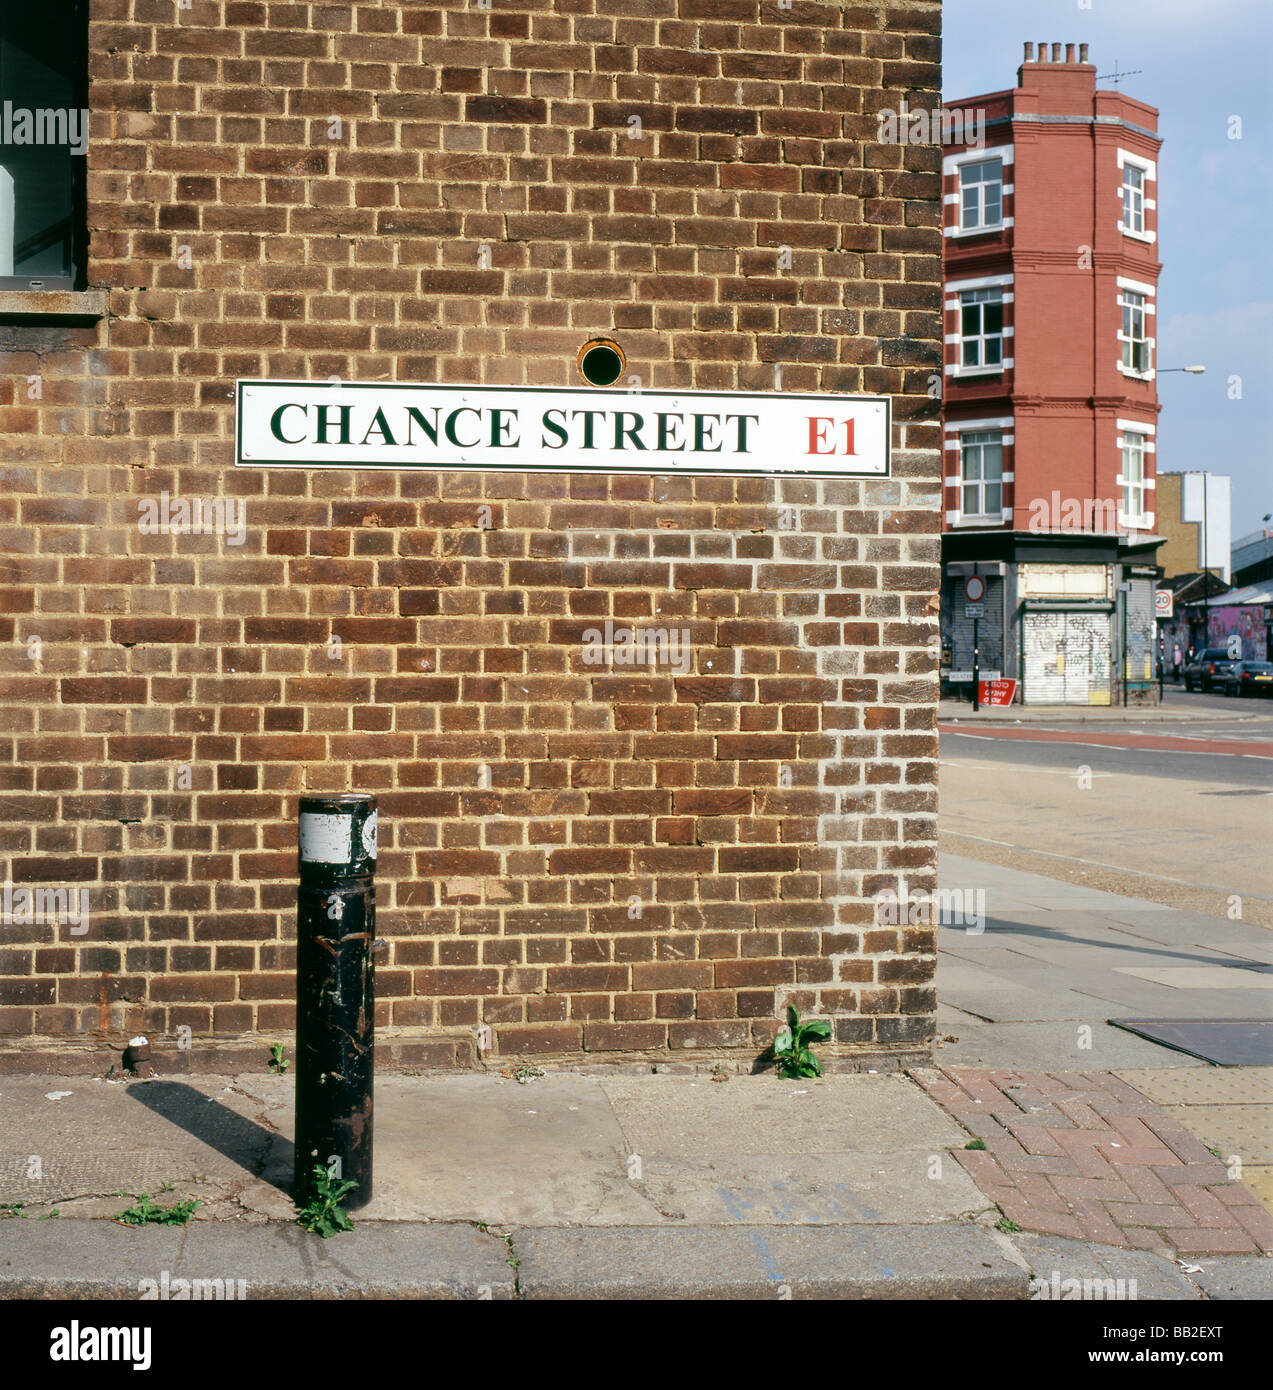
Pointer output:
x,y
574,859
1050,405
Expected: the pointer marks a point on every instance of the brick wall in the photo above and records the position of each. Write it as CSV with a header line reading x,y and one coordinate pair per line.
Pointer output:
x,y
609,862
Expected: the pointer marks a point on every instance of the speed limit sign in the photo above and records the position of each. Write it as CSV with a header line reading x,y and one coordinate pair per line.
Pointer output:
x,y
974,588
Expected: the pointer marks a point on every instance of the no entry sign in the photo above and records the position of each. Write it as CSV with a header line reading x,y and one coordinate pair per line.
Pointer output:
x,y
307,424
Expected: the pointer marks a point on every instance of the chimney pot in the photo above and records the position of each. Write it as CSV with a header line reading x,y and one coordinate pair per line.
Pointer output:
x,y
1043,53
1029,53
1082,53
1056,52
1069,52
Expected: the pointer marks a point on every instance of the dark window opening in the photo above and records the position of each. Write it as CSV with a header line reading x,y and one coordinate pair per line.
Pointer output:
x,y
43,145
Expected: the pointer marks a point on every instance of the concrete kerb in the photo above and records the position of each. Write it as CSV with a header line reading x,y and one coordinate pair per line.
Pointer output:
x,y
211,1261
956,712
207,1261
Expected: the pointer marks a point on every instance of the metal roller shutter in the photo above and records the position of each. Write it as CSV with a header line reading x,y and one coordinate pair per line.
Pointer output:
x,y
1066,658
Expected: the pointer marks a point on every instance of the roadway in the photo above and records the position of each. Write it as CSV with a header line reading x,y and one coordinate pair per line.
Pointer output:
x,y
1180,813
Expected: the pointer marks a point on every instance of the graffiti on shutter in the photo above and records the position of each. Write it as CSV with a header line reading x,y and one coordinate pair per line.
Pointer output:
x,y
1067,659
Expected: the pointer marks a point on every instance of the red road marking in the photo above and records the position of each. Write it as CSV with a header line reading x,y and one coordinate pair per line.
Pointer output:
x,y
1163,742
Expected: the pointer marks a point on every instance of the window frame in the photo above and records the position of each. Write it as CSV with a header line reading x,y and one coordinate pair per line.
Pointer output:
x,y
1148,170
981,225
1137,192
1133,487
980,298
1127,338
978,440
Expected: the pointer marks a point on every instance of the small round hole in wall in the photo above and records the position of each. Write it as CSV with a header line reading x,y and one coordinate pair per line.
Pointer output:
x,y
601,362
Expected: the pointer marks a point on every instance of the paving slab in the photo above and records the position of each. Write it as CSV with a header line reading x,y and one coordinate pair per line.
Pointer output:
x,y
488,1148
1211,1086
1105,1272
92,1138
761,1149
1248,1277
784,1262
688,1116
1045,1045
824,1189
1191,977
1244,1131
1000,1001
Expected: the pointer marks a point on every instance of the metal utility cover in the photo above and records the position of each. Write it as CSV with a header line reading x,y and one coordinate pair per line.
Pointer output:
x,y
1242,1042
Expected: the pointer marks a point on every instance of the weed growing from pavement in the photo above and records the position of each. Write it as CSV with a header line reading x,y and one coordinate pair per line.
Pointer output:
x,y
323,1214
146,1213
1007,1225
8,1210
975,1144
790,1052
278,1062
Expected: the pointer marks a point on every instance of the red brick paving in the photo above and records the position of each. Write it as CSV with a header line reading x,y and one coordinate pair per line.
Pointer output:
x,y
1085,1155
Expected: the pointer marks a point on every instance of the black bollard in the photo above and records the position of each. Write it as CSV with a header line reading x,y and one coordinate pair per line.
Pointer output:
x,y
335,992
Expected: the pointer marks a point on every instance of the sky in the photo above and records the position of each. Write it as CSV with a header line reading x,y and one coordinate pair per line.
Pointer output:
x,y
1202,63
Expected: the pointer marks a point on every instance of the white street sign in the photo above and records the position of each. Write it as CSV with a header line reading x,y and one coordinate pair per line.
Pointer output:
x,y
318,424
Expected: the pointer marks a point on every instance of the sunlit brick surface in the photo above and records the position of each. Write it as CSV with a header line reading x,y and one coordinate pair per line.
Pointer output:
x,y
575,859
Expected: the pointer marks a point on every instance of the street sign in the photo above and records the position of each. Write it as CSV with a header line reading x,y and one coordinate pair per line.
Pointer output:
x,y
1164,603
998,692
956,676
974,610
974,588
513,429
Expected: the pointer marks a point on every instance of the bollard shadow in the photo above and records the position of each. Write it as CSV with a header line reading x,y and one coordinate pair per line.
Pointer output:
x,y
262,1152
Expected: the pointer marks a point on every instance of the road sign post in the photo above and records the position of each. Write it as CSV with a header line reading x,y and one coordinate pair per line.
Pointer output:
x,y
974,593
335,992
976,668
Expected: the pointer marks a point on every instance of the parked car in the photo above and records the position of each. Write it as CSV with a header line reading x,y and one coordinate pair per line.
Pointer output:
x,y
1249,678
1208,668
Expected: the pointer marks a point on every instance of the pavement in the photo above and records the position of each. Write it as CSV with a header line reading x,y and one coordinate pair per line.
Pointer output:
x,y
1178,705
614,1183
